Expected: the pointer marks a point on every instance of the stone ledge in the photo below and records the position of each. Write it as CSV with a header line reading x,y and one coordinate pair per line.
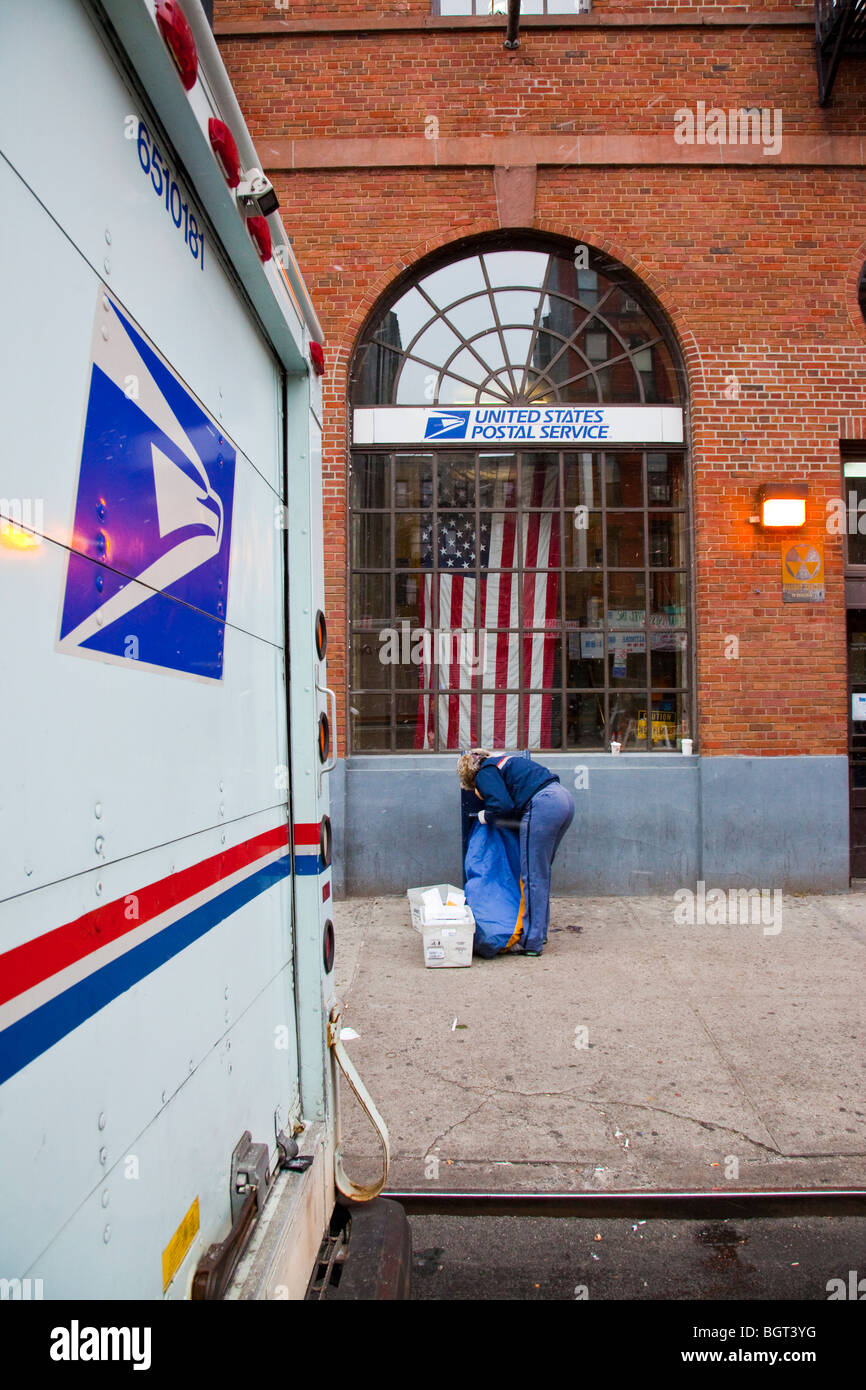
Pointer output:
x,y
696,18
510,151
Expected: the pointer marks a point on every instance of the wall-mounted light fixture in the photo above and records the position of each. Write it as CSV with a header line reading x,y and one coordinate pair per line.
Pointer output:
x,y
781,505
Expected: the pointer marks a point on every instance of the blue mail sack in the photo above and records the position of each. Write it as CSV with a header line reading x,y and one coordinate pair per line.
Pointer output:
x,y
493,887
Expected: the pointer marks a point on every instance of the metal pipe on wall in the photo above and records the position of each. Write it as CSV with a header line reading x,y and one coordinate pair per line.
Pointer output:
x,y
511,39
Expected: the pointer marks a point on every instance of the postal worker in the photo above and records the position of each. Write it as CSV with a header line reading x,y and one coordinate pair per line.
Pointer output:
x,y
513,787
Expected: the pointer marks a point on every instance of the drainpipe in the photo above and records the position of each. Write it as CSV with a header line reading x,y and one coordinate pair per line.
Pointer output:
x,y
511,39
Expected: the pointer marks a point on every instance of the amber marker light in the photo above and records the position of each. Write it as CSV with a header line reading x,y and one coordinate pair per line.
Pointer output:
x,y
15,538
782,505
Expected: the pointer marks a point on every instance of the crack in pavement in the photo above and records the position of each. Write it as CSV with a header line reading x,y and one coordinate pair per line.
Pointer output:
x,y
439,1137
725,1129
491,1088
492,1092
735,1075
595,1104
704,1124
731,1069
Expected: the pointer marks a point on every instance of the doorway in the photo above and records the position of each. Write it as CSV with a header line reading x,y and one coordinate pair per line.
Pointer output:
x,y
857,738
854,494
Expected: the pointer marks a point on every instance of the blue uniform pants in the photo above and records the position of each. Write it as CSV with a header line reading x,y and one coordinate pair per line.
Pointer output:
x,y
542,826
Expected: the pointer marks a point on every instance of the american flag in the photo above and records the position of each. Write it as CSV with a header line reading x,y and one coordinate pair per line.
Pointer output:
x,y
471,666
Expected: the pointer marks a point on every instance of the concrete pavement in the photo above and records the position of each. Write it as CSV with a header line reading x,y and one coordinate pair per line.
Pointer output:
x,y
637,1052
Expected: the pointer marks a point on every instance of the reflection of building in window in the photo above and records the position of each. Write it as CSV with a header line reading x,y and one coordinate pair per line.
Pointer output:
x,y
514,326
379,369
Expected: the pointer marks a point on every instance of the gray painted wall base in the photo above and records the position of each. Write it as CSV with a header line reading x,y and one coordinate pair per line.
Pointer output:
x,y
644,823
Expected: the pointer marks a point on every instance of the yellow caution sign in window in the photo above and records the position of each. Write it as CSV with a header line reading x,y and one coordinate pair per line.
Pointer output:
x,y
664,725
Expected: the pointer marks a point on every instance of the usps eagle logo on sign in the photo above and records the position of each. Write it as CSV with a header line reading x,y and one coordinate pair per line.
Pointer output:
x,y
148,570
446,424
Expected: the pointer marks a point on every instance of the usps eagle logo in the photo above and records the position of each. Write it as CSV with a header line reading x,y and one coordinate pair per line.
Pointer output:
x,y
446,424
148,568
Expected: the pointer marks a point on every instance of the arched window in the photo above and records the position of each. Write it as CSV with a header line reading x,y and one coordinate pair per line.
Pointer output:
x,y
513,326
519,509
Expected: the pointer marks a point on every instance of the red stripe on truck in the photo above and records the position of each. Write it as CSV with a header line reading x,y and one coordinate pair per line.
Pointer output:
x,y
26,965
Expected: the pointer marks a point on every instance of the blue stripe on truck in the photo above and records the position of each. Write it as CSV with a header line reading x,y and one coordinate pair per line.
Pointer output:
x,y
32,1035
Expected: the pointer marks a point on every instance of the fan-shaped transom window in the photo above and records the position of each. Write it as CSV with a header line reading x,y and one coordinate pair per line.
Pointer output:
x,y
514,327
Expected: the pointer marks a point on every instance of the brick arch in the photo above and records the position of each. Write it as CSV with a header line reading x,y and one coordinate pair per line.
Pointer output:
x,y
353,323
852,280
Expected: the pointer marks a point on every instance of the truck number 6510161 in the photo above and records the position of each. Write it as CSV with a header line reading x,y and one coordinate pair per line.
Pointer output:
x,y
165,187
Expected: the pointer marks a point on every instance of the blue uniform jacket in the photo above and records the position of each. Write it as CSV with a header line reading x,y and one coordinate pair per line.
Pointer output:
x,y
509,783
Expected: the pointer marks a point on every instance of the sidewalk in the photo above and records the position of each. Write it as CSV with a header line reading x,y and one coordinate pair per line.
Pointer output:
x,y
713,1056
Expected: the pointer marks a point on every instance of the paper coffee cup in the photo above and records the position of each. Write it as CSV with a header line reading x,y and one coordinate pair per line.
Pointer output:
x,y
687,747
615,747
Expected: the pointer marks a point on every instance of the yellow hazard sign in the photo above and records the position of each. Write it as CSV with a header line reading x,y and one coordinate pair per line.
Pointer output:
x,y
803,572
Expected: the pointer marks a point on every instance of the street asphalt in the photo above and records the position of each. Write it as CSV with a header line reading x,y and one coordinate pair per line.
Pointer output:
x,y
574,1260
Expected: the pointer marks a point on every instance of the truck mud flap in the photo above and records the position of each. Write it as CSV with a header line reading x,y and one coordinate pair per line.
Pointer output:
x,y
378,1262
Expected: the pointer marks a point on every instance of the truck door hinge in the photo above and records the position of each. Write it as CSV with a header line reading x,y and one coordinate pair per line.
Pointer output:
x,y
288,1151
249,1174
250,1180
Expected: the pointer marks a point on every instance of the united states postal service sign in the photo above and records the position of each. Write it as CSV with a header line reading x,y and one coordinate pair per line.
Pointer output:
x,y
535,424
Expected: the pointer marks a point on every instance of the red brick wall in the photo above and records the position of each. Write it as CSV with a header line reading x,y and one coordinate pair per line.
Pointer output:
x,y
606,81
756,266
596,81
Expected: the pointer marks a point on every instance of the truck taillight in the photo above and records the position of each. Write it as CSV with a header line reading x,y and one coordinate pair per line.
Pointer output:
x,y
324,738
222,142
317,357
325,841
261,235
175,30
328,947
